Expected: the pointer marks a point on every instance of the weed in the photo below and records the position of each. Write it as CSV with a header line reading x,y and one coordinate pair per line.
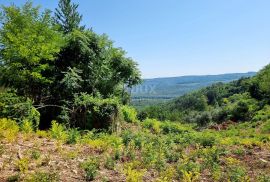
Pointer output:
x,y
109,163
43,177
22,165
27,129
13,178
58,131
73,136
133,174
8,129
2,150
35,154
90,168
42,134
167,175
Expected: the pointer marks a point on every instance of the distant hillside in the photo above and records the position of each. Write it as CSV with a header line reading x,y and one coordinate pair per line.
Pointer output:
x,y
156,90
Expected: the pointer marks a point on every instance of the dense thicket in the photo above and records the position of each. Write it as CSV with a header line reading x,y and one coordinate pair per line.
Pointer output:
x,y
242,100
54,61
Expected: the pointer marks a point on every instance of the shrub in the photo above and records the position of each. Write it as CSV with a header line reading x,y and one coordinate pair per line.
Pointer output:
x,y
90,168
58,131
133,174
206,139
97,113
237,174
129,113
188,170
73,136
22,165
35,154
265,128
109,163
170,127
18,108
27,129
13,178
8,129
167,175
153,125
42,134
262,115
43,177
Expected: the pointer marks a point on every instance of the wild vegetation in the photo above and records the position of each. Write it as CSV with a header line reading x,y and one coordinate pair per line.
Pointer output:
x,y
64,113
242,100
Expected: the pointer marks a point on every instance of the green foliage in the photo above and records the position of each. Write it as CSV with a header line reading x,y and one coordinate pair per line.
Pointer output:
x,y
73,136
53,62
133,174
67,16
109,163
13,178
29,44
8,129
22,165
262,79
188,170
265,128
18,108
43,177
35,154
129,113
90,168
263,114
58,131
27,127
97,112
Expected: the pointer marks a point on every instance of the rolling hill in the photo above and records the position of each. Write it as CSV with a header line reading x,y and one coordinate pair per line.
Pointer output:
x,y
157,90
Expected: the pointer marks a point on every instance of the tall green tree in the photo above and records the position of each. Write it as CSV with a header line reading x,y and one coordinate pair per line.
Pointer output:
x,y
29,44
67,16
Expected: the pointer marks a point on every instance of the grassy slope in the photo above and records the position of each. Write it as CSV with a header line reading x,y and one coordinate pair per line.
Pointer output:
x,y
148,151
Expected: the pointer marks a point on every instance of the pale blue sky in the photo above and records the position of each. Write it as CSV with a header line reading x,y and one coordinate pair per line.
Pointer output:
x,y
182,37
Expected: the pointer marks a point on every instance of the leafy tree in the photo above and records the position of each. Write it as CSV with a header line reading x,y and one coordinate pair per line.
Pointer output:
x,y
67,16
263,81
29,43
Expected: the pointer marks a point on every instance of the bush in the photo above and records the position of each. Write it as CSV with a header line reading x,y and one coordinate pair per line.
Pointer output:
x,y
22,165
27,129
18,108
129,113
133,174
58,131
109,163
262,115
8,129
170,127
73,136
43,177
90,168
97,113
153,125
206,139
265,128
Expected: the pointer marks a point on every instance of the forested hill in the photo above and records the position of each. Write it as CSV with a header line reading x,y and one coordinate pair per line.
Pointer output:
x,y
246,99
155,90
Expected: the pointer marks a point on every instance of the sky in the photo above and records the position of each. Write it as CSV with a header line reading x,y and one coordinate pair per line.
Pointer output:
x,y
182,37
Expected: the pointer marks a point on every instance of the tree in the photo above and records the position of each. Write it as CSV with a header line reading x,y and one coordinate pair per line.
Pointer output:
x,y
67,16
262,80
29,43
